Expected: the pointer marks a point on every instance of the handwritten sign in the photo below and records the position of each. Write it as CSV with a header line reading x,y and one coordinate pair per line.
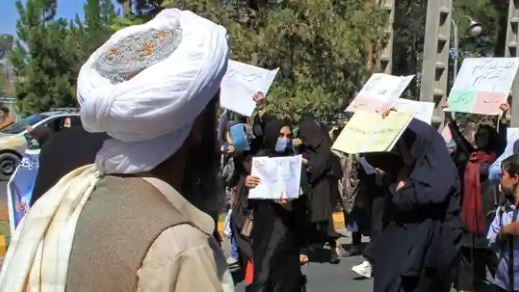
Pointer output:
x,y
280,177
240,83
421,110
20,187
512,137
369,132
482,85
379,93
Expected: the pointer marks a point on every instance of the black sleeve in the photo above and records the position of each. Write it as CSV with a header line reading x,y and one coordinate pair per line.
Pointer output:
x,y
413,195
460,140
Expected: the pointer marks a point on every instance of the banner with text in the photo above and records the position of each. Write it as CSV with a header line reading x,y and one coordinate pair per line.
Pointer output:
x,y
482,85
240,83
280,177
380,93
370,132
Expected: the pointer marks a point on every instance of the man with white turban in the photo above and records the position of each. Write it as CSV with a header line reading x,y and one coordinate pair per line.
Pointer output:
x,y
137,219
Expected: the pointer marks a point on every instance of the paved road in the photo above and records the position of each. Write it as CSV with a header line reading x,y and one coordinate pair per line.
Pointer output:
x,y
323,276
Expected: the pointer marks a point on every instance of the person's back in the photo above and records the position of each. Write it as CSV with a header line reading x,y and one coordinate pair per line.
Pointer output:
x,y
63,152
139,218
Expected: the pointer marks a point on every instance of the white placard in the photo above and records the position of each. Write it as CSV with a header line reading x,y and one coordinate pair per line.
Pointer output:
x,y
487,75
421,110
240,83
280,177
482,85
380,93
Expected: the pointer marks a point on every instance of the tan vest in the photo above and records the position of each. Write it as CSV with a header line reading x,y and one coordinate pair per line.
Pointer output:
x,y
118,224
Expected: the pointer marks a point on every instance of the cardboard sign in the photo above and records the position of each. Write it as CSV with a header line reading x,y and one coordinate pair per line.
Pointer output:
x,y
240,83
369,132
380,93
482,85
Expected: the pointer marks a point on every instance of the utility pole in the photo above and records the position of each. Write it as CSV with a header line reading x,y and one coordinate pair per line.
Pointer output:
x,y
385,59
436,55
512,40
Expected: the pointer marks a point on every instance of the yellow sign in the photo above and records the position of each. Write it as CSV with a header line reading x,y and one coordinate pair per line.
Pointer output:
x,y
370,132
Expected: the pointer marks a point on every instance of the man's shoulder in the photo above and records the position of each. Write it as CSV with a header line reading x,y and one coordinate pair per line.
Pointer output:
x,y
182,238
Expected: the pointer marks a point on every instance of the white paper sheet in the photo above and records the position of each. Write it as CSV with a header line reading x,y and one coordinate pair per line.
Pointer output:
x,y
380,93
280,177
421,110
240,83
487,75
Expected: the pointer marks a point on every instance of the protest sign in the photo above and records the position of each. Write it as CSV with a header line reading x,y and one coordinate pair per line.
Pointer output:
x,y
421,110
240,83
380,93
370,132
280,177
20,187
482,85
512,136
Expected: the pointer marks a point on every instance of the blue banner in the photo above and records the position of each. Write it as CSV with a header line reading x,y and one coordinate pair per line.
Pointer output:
x,y
20,187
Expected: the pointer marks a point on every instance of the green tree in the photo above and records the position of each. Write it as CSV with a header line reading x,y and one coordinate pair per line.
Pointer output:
x,y
96,28
319,45
44,58
6,44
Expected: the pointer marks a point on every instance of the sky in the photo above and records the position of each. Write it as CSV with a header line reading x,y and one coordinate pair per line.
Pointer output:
x,y
8,14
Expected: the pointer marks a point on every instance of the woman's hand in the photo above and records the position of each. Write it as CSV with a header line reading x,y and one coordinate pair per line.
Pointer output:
x,y
305,162
387,112
297,142
230,149
403,175
504,107
252,181
286,204
259,98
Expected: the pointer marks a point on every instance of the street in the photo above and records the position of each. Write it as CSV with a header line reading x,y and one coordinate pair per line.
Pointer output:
x,y
323,276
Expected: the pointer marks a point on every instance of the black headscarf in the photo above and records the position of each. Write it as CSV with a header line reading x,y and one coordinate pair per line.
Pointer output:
x,y
63,152
495,143
270,138
433,165
313,135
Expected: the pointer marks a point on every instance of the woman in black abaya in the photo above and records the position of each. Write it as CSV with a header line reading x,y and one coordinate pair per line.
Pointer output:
x,y
324,172
419,247
277,234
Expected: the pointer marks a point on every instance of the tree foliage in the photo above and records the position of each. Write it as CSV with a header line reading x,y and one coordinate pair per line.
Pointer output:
x,y
319,46
49,52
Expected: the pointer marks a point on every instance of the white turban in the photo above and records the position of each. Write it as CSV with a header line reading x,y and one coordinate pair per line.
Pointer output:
x,y
150,112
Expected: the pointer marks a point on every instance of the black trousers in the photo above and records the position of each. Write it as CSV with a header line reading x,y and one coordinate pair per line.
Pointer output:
x,y
473,264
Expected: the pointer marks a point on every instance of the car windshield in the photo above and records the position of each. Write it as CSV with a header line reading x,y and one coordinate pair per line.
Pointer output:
x,y
21,125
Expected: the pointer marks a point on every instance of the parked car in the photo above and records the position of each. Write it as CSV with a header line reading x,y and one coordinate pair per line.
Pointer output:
x,y
15,139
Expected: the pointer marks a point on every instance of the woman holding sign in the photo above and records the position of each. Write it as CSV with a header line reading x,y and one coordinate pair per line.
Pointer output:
x,y
418,248
277,235
478,202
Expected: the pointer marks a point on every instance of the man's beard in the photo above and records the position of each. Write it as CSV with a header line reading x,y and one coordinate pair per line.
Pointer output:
x,y
201,185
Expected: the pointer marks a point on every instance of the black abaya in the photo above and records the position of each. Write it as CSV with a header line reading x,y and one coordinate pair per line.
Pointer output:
x,y
277,236
419,247
324,172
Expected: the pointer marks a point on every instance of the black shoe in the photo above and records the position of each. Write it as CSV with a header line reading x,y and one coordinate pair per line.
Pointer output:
x,y
353,251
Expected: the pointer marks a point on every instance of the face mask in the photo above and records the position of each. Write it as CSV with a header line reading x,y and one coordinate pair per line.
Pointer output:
x,y
282,145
